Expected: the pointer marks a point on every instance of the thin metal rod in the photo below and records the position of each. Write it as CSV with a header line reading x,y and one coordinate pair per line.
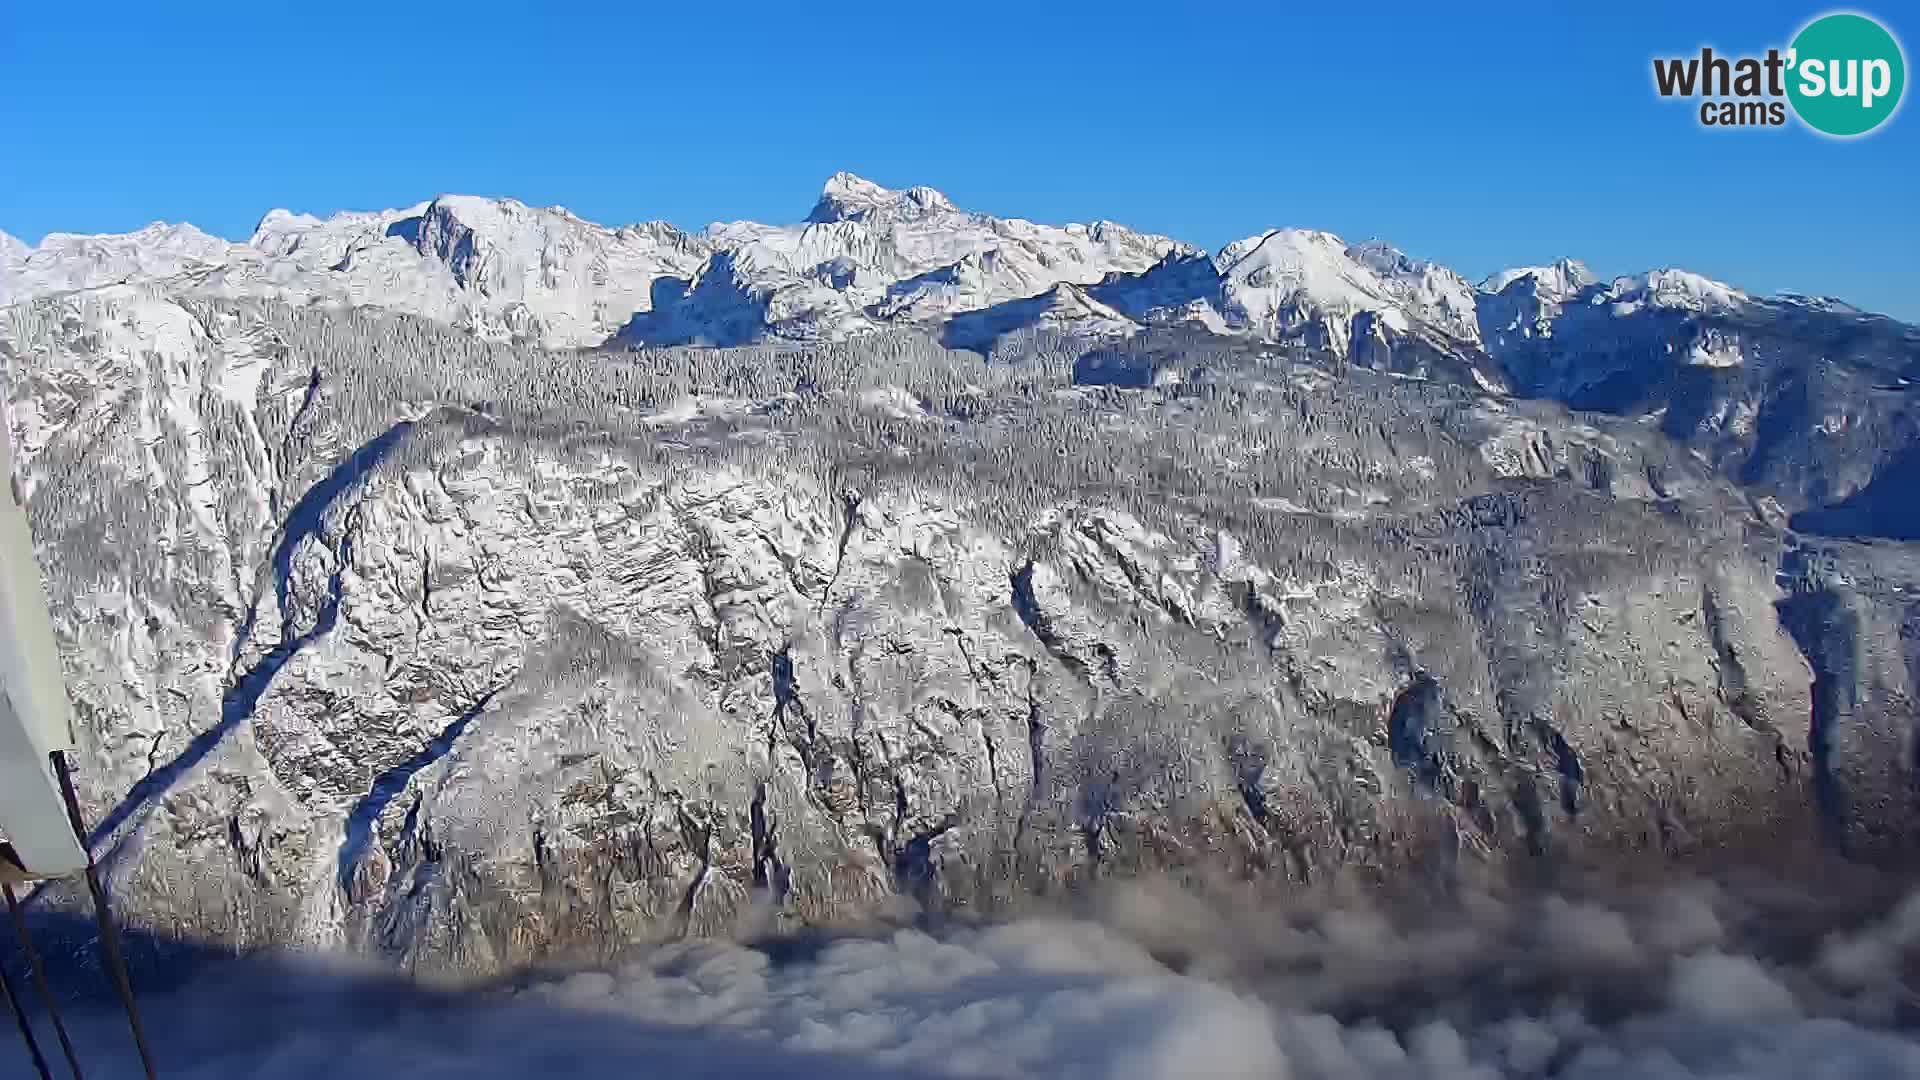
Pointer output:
x,y
26,1029
109,938
39,973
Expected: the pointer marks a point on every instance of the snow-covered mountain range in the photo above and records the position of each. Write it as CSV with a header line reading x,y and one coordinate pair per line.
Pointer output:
x,y
865,257
404,607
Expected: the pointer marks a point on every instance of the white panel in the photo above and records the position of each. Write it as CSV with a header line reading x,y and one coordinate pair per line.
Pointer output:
x,y
35,718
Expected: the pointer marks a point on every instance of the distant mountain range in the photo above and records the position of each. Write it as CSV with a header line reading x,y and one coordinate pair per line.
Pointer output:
x,y
865,257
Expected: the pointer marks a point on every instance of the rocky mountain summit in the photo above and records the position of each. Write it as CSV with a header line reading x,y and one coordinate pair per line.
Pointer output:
x,y
429,581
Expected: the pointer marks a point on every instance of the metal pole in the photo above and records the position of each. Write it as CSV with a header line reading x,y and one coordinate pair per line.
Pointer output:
x,y
109,938
39,973
26,1029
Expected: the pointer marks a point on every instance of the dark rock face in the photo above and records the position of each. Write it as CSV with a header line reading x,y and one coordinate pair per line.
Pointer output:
x,y
1806,404
1885,506
1855,610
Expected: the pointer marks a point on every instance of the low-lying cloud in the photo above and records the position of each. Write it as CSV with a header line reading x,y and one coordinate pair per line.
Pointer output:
x,y
1686,980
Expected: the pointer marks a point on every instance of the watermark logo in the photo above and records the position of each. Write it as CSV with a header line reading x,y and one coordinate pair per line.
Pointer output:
x,y
1843,75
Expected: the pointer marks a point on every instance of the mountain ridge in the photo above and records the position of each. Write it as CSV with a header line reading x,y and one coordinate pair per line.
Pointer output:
x,y
547,275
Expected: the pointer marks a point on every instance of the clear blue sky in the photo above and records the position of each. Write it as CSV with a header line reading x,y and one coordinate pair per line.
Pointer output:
x,y
1480,135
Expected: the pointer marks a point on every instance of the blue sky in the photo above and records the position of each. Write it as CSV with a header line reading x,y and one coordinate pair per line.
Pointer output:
x,y
1480,135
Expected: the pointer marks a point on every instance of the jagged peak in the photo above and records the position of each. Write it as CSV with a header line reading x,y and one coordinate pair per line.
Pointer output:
x,y
1563,277
851,186
847,197
486,214
278,223
280,218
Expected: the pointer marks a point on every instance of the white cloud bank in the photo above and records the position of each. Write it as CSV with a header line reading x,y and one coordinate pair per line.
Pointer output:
x,y
1684,983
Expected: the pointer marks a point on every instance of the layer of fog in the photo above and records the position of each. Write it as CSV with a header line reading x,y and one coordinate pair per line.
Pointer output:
x,y
1681,979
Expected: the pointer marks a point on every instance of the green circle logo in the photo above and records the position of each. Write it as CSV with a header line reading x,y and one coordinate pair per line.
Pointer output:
x,y
1845,74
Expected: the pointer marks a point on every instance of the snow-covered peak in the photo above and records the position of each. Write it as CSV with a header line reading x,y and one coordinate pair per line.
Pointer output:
x,y
280,220
159,237
847,197
1518,306
476,238
578,281
320,243
1558,281
1285,276
1562,336
13,249
1277,243
870,255
1676,289
68,261
867,256
847,189
1293,259
1183,288
497,266
1432,293
507,220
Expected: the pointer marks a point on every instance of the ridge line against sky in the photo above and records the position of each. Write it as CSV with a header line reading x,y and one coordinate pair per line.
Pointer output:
x,y
1482,138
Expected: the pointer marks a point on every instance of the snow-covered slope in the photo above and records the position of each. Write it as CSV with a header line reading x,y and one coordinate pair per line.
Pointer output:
x,y
868,257
1557,329
1275,279
1562,278
65,261
504,268
497,268
372,646
13,252
1368,303
1520,303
